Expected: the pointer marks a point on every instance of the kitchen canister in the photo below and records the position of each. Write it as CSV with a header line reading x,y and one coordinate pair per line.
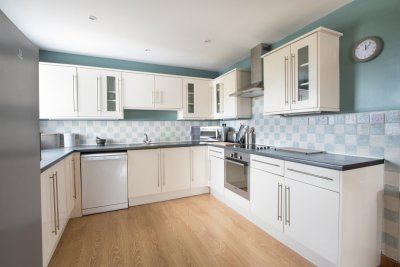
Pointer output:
x,y
70,139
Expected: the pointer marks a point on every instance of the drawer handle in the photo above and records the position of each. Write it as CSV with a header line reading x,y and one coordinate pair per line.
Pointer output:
x,y
314,175
216,151
271,164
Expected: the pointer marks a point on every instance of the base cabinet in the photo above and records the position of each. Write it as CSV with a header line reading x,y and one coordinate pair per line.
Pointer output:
x,y
217,170
161,174
56,206
315,207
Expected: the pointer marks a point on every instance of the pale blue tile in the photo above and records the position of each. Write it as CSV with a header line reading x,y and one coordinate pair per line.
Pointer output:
x,y
329,129
322,120
351,150
377,152
339,119
377,129
350,129
392,129
311,129
350,118
392,141
296,128
363,129
339,139
363,118
377,117
289,136
392,116
320,138
363,140
303,137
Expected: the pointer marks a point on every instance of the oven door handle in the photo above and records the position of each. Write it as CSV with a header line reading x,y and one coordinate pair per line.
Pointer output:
x,y
237,162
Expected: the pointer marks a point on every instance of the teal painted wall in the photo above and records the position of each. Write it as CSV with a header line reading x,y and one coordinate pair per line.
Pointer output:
x,y
242,64
64,58
373,85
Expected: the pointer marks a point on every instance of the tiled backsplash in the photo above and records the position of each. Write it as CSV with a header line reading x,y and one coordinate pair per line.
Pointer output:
x,y
372,134
124,131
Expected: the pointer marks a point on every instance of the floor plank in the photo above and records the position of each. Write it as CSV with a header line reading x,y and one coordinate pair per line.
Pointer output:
x,y
194,231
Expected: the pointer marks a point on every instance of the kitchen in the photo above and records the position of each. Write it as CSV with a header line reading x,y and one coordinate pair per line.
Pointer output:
x,y
366,126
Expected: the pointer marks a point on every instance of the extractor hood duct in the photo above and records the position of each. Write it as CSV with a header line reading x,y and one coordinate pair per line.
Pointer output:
x,y
256,87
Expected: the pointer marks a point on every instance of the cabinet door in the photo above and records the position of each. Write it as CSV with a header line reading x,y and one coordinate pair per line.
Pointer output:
x,y
144,177
218,99
168,92
57,91
70,183
175,164
190,98
203,98
138,90
312,217
111,94
266,200
199,166
217,174
89,92
304,63
277,81
48,205
229,83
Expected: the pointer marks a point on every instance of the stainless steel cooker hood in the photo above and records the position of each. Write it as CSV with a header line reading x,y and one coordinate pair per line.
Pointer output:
x,y
256,87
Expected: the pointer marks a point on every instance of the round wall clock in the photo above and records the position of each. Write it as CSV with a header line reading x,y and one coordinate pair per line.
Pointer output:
x,y
367,48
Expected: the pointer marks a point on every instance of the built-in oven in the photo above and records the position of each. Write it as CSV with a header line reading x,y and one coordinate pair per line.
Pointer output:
x,y
237,172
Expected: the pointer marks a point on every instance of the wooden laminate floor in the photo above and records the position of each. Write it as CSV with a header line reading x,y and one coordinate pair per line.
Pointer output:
x,y
194,231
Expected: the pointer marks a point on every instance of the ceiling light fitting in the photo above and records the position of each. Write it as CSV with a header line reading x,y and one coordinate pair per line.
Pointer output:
x,y
147,50
207,41
92,17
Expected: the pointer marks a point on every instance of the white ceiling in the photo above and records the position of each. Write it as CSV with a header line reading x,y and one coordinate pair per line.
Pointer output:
x,y
174,30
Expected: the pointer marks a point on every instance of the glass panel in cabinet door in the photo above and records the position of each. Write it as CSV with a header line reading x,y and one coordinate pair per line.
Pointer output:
x,y
218,97
190,98
111,93
303,77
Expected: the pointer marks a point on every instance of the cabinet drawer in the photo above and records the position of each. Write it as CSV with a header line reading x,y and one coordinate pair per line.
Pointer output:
x,y
216,152
267,164
321,177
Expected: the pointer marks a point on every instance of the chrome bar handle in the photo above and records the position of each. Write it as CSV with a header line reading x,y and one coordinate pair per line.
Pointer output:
x,y
281,199
310,174
286,80
287,221
159,167
293,78
267,163
54,205
163,167
58,210
289,204
278,202
73,172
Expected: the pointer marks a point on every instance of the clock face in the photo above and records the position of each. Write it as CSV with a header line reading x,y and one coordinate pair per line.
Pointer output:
x,y
367,49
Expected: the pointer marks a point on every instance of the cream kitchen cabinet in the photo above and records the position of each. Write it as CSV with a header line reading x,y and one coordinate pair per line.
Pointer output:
x,y
230,107
138,90
99,94
168,173
168,92
54,203
149,91
71,92
197,98
58,91
302,76
198,166
217,170
315,208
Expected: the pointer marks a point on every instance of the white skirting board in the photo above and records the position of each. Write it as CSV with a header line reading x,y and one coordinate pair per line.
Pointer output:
x,y
168,196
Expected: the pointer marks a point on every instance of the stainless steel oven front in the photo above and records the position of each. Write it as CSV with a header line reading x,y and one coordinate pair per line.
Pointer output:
x,y
237,173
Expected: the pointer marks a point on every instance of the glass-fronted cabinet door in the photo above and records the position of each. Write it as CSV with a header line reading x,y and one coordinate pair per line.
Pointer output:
x,y
190,99
219,94
304,68
111,94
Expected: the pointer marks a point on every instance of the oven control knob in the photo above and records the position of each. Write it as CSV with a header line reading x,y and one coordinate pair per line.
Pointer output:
x,y
231,155
240,157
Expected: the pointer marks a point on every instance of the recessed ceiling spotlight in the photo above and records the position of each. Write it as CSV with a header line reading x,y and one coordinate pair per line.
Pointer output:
x,y
207,41
147,50
92,17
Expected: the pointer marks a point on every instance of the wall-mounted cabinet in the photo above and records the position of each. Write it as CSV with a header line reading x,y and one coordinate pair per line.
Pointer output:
x,y
69,92
303,75
231,107
197,98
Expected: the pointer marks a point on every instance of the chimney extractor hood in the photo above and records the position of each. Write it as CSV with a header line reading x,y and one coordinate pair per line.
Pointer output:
x,y
256,88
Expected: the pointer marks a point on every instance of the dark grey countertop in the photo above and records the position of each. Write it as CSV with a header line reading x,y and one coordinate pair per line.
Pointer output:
x,y
325,160
52,156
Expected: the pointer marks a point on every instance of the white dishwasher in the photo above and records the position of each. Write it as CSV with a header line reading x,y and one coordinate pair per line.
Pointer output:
x,y
104,182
